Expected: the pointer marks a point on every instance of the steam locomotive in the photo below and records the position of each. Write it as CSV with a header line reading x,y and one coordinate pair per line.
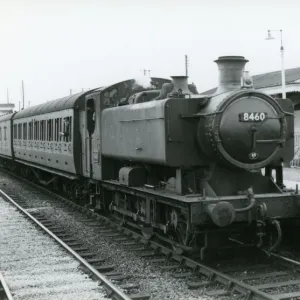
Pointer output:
x,y
172,163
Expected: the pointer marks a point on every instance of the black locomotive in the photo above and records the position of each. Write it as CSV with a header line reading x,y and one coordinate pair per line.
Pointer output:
x,y
166,160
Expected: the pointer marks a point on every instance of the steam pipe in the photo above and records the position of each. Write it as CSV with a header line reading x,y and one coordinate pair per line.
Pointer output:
x,y
279,237
252,202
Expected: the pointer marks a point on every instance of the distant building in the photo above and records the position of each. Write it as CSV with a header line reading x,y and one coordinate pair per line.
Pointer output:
x,y
6,108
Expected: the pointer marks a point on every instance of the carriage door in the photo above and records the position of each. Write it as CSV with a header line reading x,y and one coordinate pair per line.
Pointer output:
x,y
89,130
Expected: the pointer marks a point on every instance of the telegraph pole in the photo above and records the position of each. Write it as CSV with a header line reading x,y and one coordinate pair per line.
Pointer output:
x,y
70,92
186,65
145,72
23,93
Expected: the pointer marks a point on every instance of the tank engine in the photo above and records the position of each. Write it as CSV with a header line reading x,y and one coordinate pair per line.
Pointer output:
x,y
195,160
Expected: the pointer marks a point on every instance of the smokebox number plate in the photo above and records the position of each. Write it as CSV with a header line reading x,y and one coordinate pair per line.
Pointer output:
x,y
253,116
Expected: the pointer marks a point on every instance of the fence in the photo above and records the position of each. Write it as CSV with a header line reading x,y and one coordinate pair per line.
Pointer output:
x,y
295,163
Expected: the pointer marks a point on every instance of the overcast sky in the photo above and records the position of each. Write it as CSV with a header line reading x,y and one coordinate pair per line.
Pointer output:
x,y
58,45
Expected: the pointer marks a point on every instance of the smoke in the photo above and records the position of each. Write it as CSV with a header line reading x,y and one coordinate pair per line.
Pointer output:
x,y
143,82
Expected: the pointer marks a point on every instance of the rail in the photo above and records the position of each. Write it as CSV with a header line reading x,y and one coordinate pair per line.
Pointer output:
x,y
5,287
110,288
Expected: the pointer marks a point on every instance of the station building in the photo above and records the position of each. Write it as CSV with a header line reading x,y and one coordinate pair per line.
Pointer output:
x,y
6,108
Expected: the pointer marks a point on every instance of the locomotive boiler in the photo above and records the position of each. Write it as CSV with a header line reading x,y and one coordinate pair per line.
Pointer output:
x,y
192,170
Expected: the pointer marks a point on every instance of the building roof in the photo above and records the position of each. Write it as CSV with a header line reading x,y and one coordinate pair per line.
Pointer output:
x,y
270,79
6,117
7,105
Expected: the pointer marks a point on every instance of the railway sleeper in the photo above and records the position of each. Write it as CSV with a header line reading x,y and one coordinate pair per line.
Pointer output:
x,y
146,254
129,286
170,267
95,260
197,284
80,249
182,275
88,254
220,292
117,277
104,268
74,244
140,296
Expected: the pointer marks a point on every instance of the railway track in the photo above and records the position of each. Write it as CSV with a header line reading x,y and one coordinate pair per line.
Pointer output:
x,y
85,259
252,282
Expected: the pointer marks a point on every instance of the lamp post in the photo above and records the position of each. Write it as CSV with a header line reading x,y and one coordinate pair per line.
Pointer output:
x,y
270,37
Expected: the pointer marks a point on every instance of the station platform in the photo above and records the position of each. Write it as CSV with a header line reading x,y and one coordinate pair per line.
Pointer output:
x,y
291,177
35,267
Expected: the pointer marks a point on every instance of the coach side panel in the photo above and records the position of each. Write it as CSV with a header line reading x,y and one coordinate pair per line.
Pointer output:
x,y
46,140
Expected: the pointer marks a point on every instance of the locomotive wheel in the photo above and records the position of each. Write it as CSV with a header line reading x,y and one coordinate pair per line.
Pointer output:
x,y
183,231
77,191
69,191
147,232
182,235
31,176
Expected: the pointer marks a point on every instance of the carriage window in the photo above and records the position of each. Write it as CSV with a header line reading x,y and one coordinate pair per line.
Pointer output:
x,y
90,115
61,138
29,131
5,128
70,129
0,133
35,130
42,130
19,131
64,131
15,131
67,129
38,130
24,131
56,130
49,131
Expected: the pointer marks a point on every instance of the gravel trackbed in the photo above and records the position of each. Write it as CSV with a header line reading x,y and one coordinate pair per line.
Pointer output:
x,y
35,267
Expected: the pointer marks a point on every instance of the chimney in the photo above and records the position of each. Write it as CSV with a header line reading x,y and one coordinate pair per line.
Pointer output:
x,y
180,82
230,72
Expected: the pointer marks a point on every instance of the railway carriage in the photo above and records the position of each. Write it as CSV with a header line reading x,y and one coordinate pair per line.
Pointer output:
x,y
44,136
165,160
6,150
